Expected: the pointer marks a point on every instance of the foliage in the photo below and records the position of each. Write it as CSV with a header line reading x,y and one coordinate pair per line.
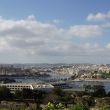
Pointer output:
x,y
98,91
106,107
87,88
108,94
51,98
104,74
58,99
78,107
58,92
5,93
18,94
51,106
26,93
38,98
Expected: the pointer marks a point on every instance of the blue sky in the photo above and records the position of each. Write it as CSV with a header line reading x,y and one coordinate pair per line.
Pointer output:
x,y
72,11
55,31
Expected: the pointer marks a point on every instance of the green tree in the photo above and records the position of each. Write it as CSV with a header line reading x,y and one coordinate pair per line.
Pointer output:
x,y
78,107
58,92
60,106
38,98
108,94
27,93
53,98
87,88
99,91
51,106
66,99
5,93
18,94
106,107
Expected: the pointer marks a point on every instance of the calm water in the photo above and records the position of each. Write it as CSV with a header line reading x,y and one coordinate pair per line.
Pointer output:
x,y
56,78
80,84
33,79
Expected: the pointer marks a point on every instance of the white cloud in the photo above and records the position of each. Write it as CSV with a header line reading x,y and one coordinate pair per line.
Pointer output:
x,y
56,21
29,39
98,16
108,46
86,31
31,17
29,36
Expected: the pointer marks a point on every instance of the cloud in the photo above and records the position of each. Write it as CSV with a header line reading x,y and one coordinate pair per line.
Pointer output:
x,y
30,40
99,16
56,21
108,46
86,31
29,36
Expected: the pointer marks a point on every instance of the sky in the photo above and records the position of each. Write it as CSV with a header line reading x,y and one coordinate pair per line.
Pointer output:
x,y
55,31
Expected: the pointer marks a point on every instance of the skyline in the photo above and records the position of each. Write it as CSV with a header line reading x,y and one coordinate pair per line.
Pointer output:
x,y
73,31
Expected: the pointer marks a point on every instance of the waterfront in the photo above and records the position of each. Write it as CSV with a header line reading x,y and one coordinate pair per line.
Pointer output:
x,y
36,79
75,84
80,84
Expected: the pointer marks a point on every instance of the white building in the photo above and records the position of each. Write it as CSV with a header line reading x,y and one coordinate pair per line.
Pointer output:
x,y
19,86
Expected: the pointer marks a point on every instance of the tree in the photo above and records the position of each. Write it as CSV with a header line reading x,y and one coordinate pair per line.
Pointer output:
x,y
58,92
106,107
53,98
78,107
38,98
99,91
87,88
27,93
51,106
5,93
63,96
67,99
108,94
60,106
18,94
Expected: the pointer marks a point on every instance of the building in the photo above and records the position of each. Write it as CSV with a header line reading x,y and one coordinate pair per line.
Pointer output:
x,y
19,86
